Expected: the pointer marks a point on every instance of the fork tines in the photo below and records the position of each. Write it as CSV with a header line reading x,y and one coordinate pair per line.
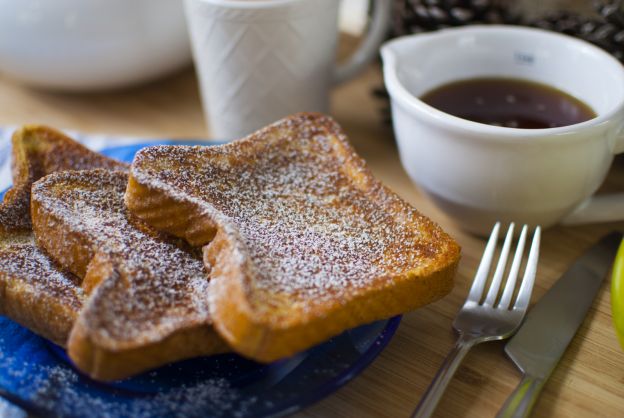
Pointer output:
x,y
526,286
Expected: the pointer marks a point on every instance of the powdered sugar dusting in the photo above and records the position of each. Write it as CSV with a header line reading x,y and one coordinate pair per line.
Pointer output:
x,y
24,262
37,152
15,208
157,285
309,215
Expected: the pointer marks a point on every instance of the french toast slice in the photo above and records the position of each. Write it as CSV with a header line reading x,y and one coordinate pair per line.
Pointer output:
x,y
36,152
147,301
303,241
33,291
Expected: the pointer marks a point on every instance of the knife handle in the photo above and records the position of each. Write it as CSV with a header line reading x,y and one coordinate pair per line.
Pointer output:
x,y
521,401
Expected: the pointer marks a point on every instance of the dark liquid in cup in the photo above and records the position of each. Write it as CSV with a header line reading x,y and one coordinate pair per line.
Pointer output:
x,y
508,102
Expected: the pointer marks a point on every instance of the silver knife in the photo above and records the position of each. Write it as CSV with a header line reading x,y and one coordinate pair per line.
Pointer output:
x,y
552,322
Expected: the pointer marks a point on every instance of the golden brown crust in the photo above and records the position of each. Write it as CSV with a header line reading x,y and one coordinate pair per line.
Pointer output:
x,y
147,302
36,294
38,151
238,322
33,291
307,242
104,364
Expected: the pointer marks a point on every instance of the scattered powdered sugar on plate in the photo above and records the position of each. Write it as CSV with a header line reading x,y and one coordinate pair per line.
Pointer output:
x,y
54,388
57,393
221,386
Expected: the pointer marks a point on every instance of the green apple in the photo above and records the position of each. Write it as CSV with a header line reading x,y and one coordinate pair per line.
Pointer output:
x,y
617,293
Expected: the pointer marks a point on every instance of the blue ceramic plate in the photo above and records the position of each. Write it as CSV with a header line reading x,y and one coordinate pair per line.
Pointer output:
x,y
38,376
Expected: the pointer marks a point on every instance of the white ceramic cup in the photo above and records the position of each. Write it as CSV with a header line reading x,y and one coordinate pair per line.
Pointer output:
x,y
258,61
479,174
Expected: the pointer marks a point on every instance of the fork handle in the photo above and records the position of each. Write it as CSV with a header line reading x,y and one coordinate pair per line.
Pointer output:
x,y
434,393
521,401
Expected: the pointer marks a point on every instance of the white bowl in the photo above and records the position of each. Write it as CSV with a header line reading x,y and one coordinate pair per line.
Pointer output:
x,y
479,174
91,44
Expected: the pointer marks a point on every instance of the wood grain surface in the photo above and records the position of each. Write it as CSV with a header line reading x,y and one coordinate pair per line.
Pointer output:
x,y
589,381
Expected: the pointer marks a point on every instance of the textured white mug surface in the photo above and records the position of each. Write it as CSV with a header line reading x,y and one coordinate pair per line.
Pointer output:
x,y
259,61
479,174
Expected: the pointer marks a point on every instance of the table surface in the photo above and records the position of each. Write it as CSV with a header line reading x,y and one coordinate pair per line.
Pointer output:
x,y
589,381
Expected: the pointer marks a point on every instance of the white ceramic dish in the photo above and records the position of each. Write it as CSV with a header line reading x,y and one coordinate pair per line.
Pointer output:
x,y
91,44
479,174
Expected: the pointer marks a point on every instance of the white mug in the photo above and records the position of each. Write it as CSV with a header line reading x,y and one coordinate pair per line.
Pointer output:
x,y
258,61
479,174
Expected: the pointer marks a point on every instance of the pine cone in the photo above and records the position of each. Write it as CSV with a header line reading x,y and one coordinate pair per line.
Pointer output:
x,y
612,11
607,32
415,16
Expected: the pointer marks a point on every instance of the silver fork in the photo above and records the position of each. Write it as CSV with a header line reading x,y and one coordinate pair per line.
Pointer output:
x,y
491,319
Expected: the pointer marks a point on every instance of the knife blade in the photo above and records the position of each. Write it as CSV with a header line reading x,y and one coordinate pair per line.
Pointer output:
x,y
552,323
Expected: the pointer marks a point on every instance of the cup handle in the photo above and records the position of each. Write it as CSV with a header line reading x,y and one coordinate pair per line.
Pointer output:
x,y
601,208
369,47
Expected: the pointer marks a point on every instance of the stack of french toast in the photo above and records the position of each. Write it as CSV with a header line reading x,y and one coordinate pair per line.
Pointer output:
x,y
265,247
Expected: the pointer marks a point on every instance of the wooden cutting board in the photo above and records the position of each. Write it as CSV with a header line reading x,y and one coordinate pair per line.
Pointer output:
x,y
589,381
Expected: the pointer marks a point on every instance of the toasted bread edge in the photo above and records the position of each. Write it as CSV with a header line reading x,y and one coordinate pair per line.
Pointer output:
x,y
94,357
75,252
233,316
45,316
105,364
